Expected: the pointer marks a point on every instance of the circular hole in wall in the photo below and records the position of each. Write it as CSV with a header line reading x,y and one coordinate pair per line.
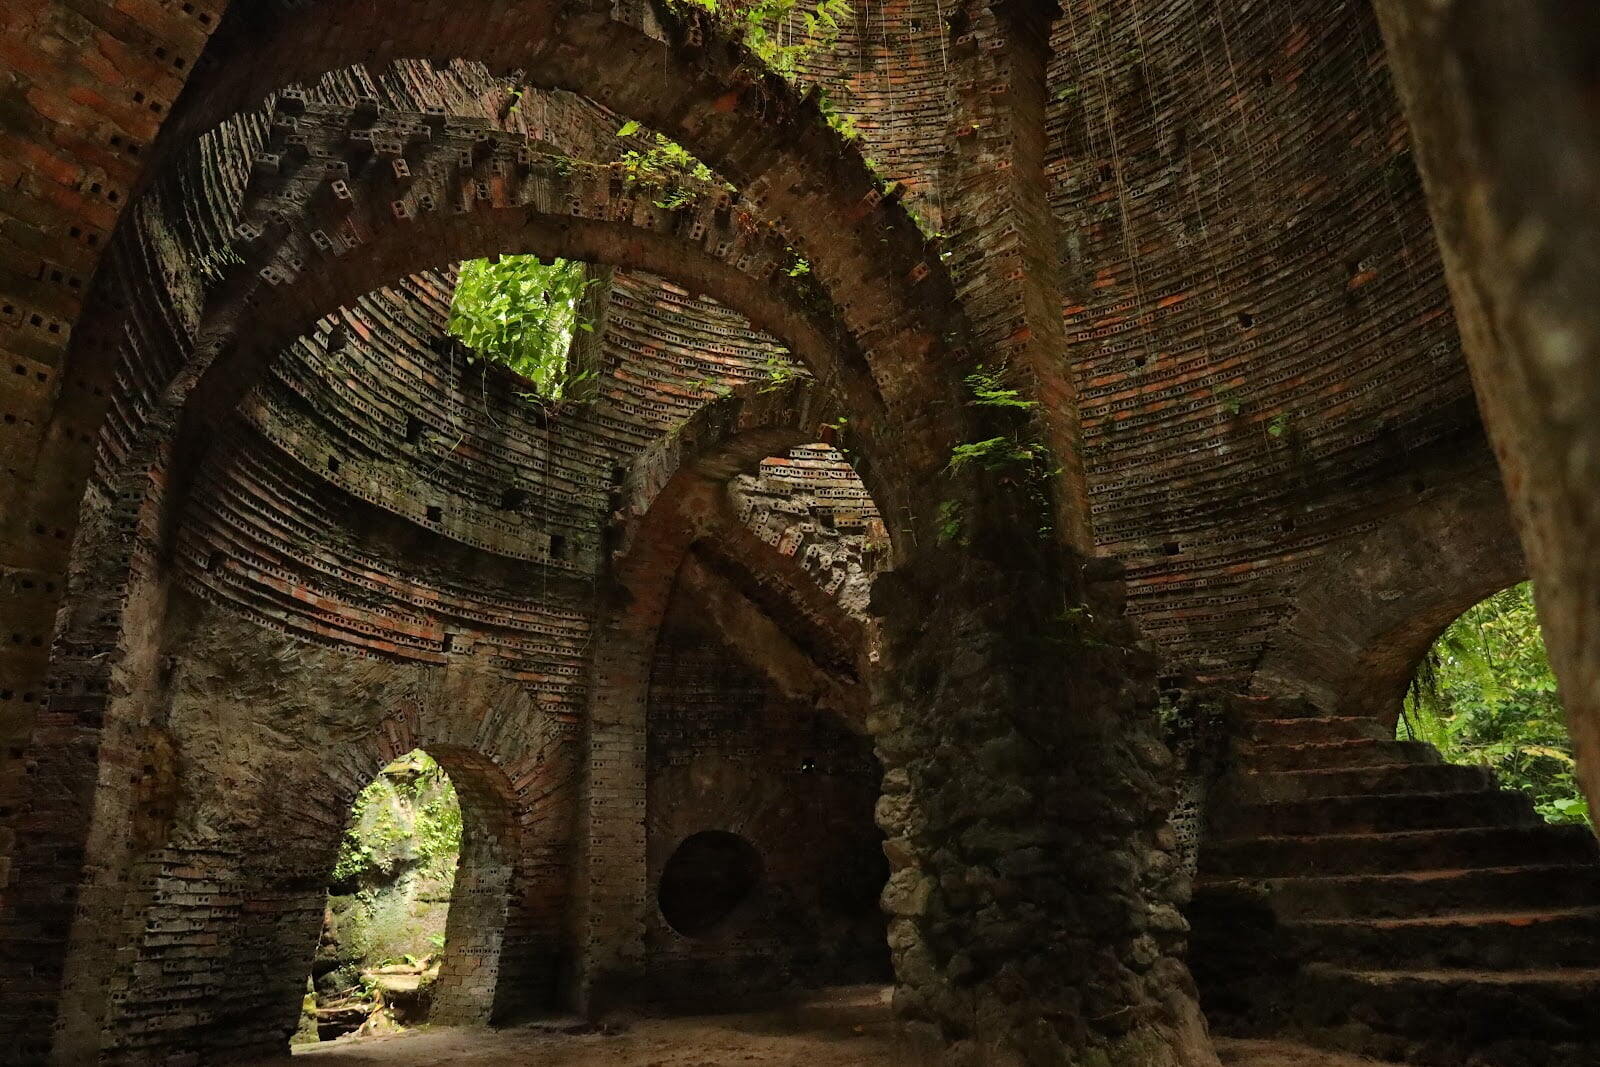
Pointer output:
x,y
705,880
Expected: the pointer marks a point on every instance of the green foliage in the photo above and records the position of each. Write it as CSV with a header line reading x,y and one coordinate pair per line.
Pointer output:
x,y
1485,694
992,454
989,390
779,372
952,523
657,160
409,813
783,33
522,313
1019,457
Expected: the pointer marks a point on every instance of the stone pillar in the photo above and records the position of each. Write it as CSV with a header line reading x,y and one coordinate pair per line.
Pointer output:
x,y
612,891
1501,99
1035,888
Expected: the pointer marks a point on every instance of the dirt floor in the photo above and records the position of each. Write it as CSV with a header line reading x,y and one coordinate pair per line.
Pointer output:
x,y
844,1028
1277,1054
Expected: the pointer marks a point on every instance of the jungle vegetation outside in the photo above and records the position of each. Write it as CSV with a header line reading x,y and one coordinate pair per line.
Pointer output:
x,y
1485,694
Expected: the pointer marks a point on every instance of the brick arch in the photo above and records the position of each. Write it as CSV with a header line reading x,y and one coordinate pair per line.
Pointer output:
x,y
677,72
310,242
728,436
724,439
519,761
244,870
251,322
476,983
1374,605
674,496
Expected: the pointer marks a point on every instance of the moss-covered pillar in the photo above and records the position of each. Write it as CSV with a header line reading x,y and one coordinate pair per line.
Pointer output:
x,y
1502,103
1035,888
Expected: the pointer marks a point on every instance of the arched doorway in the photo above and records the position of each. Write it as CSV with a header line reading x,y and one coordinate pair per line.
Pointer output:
x,y
417,900
1484,694
764,860
383,930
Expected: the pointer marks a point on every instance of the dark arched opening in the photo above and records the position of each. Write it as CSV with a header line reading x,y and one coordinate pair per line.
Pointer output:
x,y
755,728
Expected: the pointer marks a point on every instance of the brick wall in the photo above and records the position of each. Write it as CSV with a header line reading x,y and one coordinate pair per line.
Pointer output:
x,y
725,753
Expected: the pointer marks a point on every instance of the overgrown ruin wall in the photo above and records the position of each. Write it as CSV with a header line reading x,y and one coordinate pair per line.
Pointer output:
x,y
1256,325
254,747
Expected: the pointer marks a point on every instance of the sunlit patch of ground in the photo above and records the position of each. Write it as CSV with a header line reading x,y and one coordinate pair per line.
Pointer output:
x,y
842,1028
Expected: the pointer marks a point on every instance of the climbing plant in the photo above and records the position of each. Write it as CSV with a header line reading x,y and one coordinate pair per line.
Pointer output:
x,y
522,313
783,33
1485,694
1017,457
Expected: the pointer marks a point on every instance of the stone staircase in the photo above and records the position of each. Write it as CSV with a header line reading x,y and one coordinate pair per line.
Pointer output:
x,y
1356,891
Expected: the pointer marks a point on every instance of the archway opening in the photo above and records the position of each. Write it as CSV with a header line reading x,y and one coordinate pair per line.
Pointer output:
x,y
1484,694
384,927
705,882
764,860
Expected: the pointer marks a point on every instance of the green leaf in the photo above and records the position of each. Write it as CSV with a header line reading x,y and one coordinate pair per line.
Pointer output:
x,y
1485,694
521,313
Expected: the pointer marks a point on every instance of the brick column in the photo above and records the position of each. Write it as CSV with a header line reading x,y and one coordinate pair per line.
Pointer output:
x,y
613,895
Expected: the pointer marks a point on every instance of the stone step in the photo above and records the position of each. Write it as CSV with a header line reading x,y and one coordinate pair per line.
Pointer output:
x,y
1366,752
1471,1011
1381,813
1309,730
1495,941
1388,779
1422,893
1274,708
1410,850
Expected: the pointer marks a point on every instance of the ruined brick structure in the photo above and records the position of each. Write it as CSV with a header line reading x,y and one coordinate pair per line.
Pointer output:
x,y
727,625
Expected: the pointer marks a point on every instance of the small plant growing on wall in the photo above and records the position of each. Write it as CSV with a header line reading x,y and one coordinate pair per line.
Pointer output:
x,y
1018,457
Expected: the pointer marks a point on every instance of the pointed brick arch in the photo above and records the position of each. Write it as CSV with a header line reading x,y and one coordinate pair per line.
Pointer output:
x,y
674,496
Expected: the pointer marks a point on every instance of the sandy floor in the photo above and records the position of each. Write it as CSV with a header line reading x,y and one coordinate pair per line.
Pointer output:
x,y
848,1028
